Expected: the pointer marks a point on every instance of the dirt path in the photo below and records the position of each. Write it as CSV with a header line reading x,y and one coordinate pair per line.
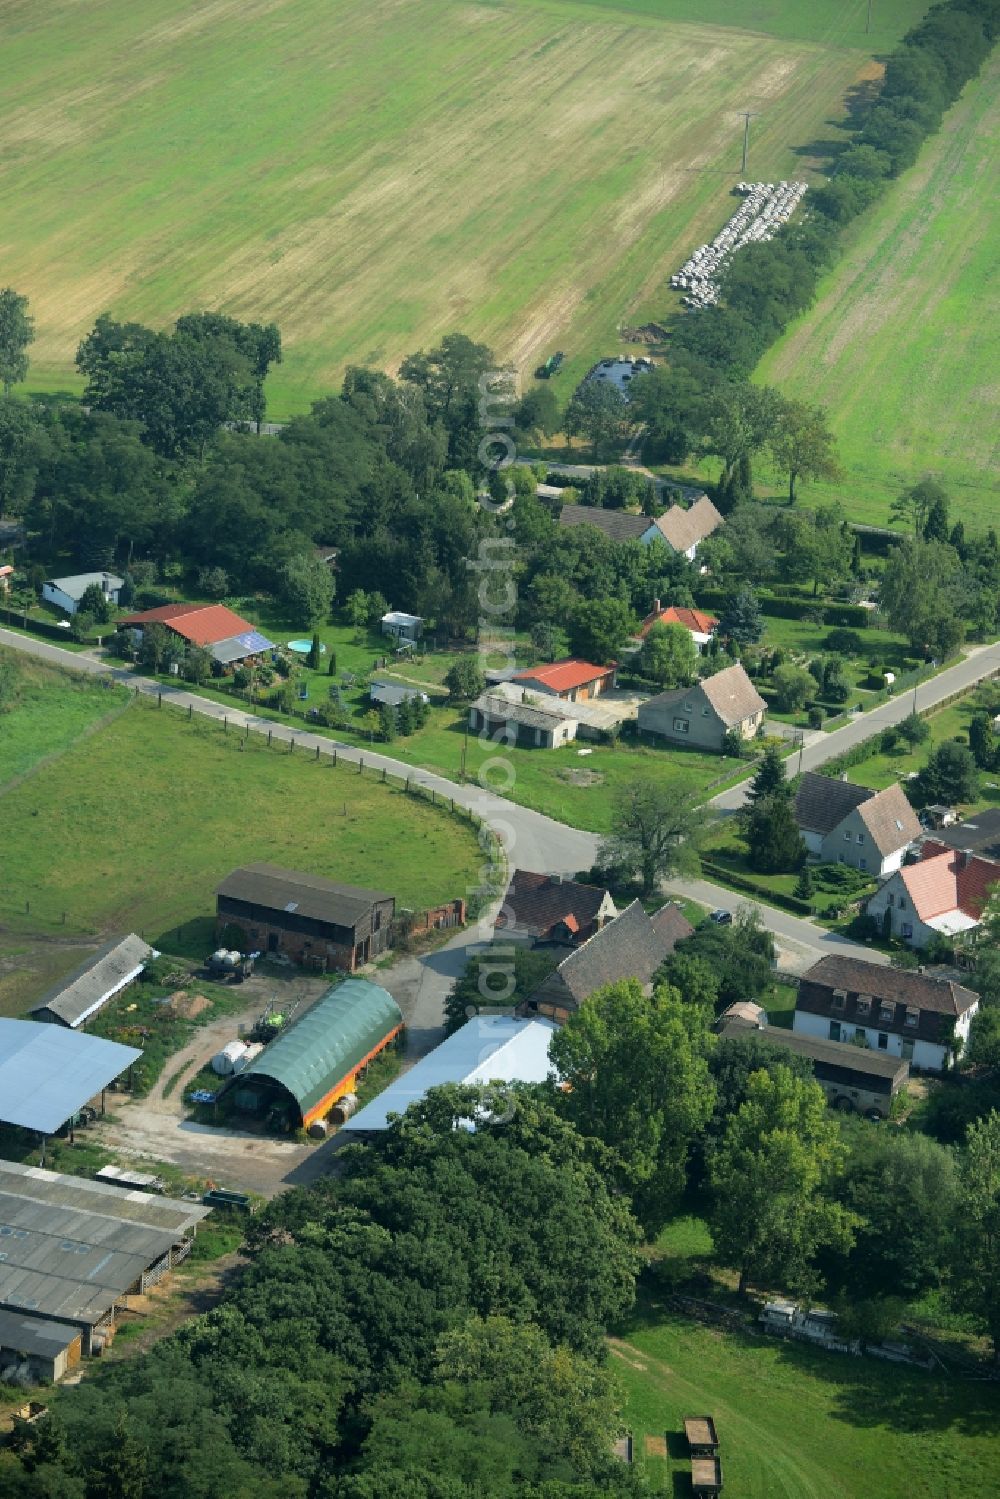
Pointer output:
x,y
157,1127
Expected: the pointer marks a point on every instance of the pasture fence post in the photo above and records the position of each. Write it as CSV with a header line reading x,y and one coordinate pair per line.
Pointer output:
x,y
269,733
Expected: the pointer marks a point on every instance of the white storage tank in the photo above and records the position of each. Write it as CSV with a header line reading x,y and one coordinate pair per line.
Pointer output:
x,y
232,1058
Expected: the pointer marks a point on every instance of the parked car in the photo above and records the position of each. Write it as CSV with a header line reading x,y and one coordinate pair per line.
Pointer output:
x,y
721,917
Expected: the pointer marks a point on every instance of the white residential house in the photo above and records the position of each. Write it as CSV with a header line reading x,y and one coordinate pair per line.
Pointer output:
x,y
842,823
402,626
683,528
66,593
903,1013
941,896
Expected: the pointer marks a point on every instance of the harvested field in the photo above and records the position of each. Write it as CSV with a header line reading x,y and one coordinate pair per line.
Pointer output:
x,y
370,176
902,345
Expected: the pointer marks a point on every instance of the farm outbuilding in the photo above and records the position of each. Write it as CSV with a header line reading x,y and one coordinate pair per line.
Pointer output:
x,y
487,1049
48,1073
112,968
312,920
302,1074
73,1250
34,1350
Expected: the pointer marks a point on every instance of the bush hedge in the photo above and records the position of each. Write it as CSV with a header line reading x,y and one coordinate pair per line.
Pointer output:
x,y
751,887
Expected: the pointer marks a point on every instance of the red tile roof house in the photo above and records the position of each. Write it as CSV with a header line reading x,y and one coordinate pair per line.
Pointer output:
x,y
942,896
573,681
225,634
897,1011
699,625
544,908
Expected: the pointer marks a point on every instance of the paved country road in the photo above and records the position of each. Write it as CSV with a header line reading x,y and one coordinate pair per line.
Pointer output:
x,y
533,841
983,661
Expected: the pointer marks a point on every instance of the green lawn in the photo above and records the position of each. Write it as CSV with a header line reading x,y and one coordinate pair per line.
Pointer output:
x,y
902,345
795,1423
135,826
49,711
372,175
952,722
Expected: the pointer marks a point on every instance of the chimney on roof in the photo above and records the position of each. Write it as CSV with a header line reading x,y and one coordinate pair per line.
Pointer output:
x,y
656,606
963,858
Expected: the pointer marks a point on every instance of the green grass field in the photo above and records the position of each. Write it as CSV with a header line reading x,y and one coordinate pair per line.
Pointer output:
x,y
903,346
372,175
49,712
795,1423
134,827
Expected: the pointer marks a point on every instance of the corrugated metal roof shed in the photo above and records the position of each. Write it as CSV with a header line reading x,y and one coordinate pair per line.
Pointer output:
x,y
59,1190
35,1335
75,999
48,1073
70,1248
488,1048
328,1042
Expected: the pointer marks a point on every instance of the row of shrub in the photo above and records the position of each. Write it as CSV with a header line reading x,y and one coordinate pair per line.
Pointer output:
x,y
726,876
850,616
767,285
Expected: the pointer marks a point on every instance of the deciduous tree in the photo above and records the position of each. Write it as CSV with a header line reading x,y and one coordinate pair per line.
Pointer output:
x,y
803,445
17,332
669,656
978,1227
655,833
637,1079
773,1175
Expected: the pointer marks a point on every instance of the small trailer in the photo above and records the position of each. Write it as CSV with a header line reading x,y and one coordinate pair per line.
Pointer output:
x,y
706,1466
227,964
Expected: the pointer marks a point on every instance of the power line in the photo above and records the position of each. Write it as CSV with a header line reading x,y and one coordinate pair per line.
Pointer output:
x,y
747,115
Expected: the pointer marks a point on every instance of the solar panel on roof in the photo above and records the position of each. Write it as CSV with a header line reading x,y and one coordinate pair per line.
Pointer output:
x,y
255,642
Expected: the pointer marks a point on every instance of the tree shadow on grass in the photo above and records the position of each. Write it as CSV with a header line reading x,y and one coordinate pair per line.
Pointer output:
x,y
871,1393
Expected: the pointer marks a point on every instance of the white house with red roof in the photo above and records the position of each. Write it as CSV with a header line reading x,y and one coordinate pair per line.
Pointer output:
x,y
941,896
574,681
699,625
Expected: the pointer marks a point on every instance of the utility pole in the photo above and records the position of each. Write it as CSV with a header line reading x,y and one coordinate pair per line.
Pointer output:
x,y
868,22
748,115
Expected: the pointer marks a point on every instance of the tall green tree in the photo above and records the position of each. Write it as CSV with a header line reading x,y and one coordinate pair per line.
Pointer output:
x,y
793,686
598,412
914,505
949,775
669,656
978,1227
599,628
803,445
769,778
741,618
741,419
17,332
306,588
905,1190
773,1175
655,832
637,1079
774,843
922,592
